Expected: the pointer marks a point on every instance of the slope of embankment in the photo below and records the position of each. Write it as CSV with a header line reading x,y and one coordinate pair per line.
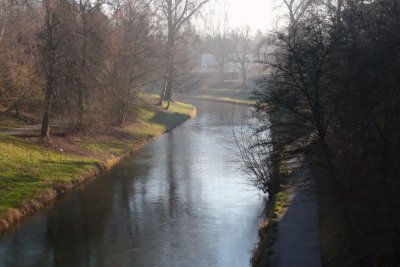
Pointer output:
x,y
33,173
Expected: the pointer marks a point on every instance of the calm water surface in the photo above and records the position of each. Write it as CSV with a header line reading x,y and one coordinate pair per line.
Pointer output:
x,y
180,201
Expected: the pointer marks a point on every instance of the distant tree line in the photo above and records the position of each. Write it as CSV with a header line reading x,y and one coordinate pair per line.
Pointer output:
x,y
332,79
85,62
229,46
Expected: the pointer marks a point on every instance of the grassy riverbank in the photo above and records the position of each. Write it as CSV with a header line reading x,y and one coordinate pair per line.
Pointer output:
x,y
267,229
275,209
224,95
32,172
227,100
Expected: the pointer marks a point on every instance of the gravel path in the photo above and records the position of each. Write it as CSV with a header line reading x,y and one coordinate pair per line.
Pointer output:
x,y
297,243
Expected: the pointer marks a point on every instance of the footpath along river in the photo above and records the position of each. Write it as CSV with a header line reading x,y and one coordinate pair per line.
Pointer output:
x,y
179,201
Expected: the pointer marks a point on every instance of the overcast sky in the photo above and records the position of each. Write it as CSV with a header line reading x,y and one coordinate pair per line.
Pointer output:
x,y
258,14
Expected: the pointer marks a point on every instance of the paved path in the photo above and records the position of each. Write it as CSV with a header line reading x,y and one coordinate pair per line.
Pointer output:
x,y
297,243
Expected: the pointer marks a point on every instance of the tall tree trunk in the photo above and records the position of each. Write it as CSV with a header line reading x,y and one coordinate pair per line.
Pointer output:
x,y
45,132
164,89
244,77
170,43
81,103
168,89
50,60
221,76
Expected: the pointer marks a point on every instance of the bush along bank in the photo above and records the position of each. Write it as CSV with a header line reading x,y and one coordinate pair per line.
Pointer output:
x,y
33,173
275,208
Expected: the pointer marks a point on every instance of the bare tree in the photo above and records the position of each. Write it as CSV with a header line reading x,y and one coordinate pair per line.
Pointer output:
x,y
219,32
177,14
242,51
255,146
19,81
51,37
296,9
132,58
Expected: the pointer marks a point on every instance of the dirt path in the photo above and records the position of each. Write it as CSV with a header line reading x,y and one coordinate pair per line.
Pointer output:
x,y
23,131
297,243
30,130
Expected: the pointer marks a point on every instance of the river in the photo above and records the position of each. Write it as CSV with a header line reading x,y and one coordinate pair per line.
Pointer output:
x,y
179,201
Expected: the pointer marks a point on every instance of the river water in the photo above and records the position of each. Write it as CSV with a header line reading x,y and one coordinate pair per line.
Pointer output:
x,y
180,201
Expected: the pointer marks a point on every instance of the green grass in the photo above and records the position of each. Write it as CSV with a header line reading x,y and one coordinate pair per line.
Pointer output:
x,y
27,168
238,94
267,230
224,100
234,96
152,122
115,147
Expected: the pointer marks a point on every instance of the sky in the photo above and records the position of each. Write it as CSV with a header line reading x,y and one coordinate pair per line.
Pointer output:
x,y
258,14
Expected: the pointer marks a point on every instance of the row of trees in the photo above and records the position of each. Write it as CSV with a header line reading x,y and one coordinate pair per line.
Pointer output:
x,y
85,61
229,46
332,78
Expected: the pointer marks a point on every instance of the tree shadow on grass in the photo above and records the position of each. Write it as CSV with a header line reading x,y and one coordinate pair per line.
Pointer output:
x,y
169,119
67,166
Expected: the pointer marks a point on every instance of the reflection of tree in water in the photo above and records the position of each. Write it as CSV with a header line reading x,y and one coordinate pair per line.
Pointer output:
x,y
73,228
172,194
153,209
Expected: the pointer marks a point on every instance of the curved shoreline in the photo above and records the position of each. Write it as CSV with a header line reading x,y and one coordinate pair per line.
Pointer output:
x,y
12,216
222,100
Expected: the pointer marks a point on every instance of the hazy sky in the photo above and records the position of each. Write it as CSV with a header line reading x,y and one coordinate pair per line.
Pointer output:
x,y
258,14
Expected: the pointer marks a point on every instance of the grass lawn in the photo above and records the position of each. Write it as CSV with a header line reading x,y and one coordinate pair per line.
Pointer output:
x,y
152,122
27,167
233,96
239,94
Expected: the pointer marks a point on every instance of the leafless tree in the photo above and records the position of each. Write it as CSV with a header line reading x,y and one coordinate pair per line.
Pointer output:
x,y
219,32
177,14
132,57
242,51
255,148
51,36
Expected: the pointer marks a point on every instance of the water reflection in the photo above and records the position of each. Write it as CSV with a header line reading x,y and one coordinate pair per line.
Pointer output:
x,y
178,202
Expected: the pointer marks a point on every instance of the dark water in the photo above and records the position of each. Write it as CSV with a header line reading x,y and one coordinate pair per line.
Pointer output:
x,y
180,201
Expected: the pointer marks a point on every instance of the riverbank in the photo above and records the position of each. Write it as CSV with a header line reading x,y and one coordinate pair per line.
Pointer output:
x,y
275,208
232,93
33,173
267,230
289,235
226,100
